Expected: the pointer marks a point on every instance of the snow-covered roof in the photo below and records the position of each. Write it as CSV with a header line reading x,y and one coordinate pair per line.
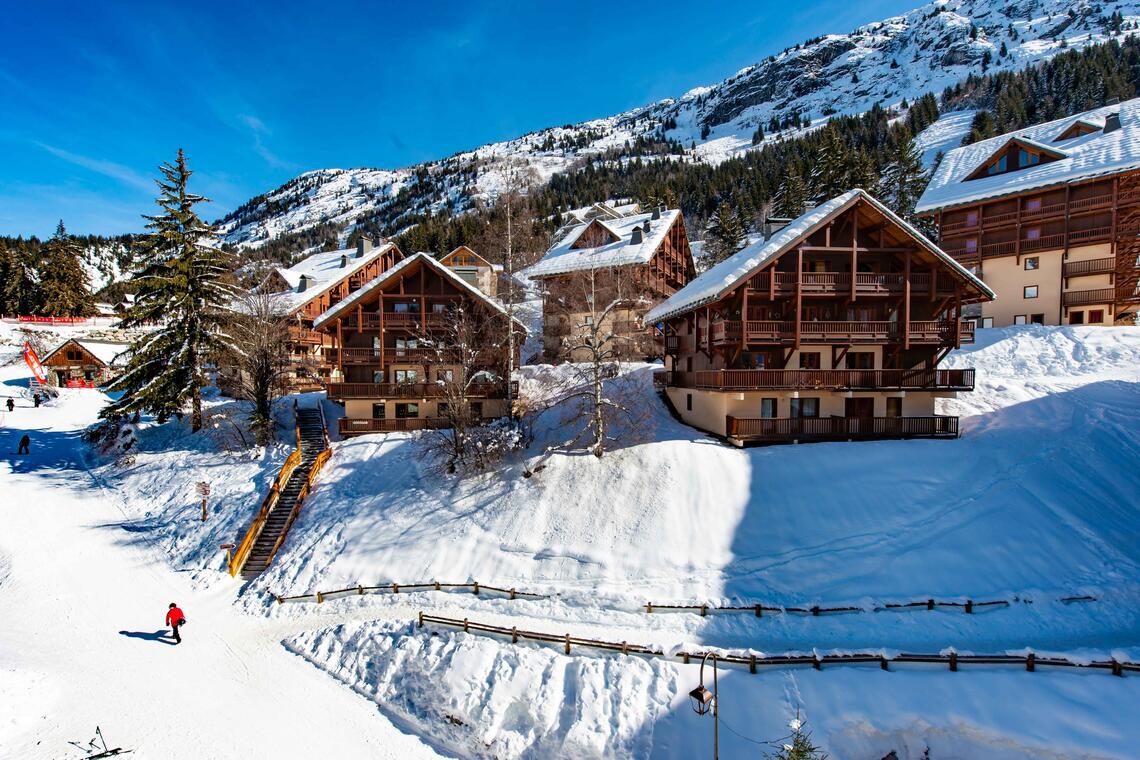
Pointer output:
x,y
563,258
394,270
108,353
723,277
323,270
1085,157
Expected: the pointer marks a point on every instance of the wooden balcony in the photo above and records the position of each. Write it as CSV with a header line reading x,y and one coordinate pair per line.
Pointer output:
x,y
370,320
761,331
813,429
1088,297
824,379
831,284
1089,267
349,427
415,390
1090,235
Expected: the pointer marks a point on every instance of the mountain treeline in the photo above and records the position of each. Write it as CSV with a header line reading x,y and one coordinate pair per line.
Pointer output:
x,y
50,278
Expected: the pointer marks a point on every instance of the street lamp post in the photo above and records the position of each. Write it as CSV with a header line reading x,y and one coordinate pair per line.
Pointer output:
x,y
704,700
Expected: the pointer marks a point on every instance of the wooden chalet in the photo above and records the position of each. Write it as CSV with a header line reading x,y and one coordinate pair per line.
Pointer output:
x,y
648,250
391,363
1049,217
831,329
83,363
312,286
474,268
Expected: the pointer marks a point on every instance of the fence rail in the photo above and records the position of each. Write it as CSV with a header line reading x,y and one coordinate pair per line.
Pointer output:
x,y
928,604
395,588
953,660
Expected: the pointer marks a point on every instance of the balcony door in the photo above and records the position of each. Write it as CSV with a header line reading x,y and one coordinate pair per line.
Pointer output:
x,y
860,413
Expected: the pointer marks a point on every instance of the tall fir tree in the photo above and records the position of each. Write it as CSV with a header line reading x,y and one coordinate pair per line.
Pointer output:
x,y
63,283
181,283
831,161
792,195
20,289
904,179
725,234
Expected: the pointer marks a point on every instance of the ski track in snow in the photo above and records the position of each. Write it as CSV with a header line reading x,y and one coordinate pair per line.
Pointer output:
x,y
1032,503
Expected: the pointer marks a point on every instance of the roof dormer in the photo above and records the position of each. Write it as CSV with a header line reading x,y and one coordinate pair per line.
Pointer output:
x,y
1017,153
594,235
1078,128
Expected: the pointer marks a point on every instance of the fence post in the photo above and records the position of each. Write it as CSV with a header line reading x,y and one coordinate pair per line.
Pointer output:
x,y
395,588
466,628
815,663
969,606
704,610
685,657
278,599
567,643
1117,670
359,590
815,611
1030,662
624,647
320,598
649,608
759,611
515,635
421,618
883,665
954,661
751,663
476,585
437,585
929,604
512,593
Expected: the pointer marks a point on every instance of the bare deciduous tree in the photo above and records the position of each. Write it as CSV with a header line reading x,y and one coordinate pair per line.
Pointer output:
x,y
259,356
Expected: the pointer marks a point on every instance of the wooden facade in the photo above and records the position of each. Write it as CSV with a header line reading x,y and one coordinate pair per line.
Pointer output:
x,y
669,268
835,336
75,364
387,364
1064,254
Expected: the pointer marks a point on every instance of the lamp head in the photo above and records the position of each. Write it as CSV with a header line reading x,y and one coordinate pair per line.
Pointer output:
x,y
702,699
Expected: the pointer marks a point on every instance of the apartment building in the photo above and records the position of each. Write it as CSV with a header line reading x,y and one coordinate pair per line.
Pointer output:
x,y
1049,217
830,329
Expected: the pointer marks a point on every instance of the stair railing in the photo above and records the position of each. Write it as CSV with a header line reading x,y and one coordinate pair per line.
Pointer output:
x,y
241,554
296,510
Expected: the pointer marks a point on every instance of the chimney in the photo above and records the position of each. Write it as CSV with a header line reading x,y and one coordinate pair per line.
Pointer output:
x,y
773,224
343,261
303,284
1112,122
656,212
635,239
363,246
645,227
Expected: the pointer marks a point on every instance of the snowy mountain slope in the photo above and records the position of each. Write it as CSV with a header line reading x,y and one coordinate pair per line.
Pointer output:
x,y
921,51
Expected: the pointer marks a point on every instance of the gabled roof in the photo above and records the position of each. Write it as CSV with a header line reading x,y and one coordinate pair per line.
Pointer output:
x,y
1052,152
1086,157
106,354
464,249
323,270
1083,125
563,258
716,282
393,272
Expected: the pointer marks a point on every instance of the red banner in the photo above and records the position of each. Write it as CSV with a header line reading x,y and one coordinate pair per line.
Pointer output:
x,y
80,383
33,363
55,320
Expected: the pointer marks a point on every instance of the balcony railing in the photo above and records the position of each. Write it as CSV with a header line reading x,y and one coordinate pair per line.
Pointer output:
x,y
1089,235
763,331
1089,266
839,283
415,390
370,320
1087,297
824,379
349,426
810,429
304,335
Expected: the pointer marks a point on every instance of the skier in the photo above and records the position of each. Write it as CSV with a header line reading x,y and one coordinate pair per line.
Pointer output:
x,y
25,442
36,400
175,619
11,404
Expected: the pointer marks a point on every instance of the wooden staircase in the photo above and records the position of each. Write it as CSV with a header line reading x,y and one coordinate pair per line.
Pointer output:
x,y
283,503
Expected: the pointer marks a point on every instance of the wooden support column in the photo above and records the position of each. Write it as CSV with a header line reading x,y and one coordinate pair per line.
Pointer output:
x,y
380,307
933,282
744,316
906,301
340,348
799,293
957,316
854,248
772,283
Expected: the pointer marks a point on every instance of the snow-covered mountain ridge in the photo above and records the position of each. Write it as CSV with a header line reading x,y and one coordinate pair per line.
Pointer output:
x,y
924,50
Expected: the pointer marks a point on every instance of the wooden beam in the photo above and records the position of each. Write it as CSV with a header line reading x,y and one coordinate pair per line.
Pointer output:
x,y
847,249
340,347
906,301
799,292
854,251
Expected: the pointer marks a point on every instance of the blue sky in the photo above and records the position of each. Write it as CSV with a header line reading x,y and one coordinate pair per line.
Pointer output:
x,y
96,94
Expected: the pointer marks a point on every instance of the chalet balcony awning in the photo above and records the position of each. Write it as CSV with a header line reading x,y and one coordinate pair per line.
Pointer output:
x,y
812,429
823,379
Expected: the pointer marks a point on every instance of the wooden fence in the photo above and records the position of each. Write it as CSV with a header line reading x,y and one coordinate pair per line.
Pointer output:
x,y
953,660
968,606
395,588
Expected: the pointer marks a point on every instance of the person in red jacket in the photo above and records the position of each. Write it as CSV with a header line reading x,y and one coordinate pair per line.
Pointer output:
x,y
175,619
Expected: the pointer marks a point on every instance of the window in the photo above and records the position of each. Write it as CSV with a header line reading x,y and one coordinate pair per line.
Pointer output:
x,y
1019,319
894,407
688,402
805,407
971,244
441,409
1037,319
377,375
445,375
477,410
1033,233
860,360
407,411
406,375
768,407
1076,317
688,364
809,360
407,308
377,411
1032,263
405,343
1033,204
1030,291
987,322
439,308
971,218
1096,316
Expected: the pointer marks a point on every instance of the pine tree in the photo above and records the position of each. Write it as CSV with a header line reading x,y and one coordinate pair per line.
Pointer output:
x,y
20,291
63,284
829,178
792,195
724,235
180,283
982,127
798,746
904,179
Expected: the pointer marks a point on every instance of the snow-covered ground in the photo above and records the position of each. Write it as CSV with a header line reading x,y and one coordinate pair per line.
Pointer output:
x,y
1035,502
